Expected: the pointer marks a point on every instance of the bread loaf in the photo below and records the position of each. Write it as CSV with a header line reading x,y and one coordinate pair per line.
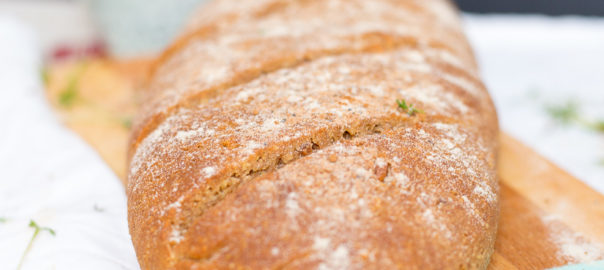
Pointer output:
x,y
315,134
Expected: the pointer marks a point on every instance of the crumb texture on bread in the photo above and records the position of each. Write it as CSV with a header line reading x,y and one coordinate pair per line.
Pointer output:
x,y
270,138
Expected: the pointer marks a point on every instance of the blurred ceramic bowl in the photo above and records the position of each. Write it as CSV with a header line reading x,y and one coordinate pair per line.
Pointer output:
x,y
133,28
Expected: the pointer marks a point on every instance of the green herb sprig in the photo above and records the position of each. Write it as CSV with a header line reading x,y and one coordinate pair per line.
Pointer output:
x,y
44,76
3,219
598,125
126,122
564,113
37,230
408,107
568,113
69,95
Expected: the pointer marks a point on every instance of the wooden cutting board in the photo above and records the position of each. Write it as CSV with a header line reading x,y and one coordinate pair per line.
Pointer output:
x,y
548,217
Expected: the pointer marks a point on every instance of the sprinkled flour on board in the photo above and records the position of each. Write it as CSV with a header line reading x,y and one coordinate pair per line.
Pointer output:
x,y
572,246
578,251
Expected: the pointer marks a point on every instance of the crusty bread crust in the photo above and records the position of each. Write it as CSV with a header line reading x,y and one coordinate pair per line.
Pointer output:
x,y
271,138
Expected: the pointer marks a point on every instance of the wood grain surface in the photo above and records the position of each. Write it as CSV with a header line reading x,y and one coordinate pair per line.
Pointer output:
x,y
548,217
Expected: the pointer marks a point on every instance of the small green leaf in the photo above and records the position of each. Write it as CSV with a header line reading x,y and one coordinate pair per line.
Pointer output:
x,y
126,122
68,96
598,126
37,230
70,93
402,104
568,113
408,108
37,227
3,219
44,76
564,113
412,111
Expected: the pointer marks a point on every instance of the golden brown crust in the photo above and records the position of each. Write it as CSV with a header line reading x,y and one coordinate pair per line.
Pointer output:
x,y
240,48
286,149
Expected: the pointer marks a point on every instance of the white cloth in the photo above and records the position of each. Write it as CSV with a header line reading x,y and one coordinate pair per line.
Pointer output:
x,y
50,175
530,61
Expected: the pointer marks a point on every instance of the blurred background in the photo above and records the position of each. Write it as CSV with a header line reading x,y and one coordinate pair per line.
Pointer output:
x,y
550,7
138,27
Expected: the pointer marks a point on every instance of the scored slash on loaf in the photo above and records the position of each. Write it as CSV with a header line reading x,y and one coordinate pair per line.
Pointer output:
x,y
270,137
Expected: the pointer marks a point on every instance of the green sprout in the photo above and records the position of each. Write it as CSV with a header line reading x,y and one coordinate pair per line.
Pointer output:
x,y
568,113
598,125
44,76
408,108
70,93
3,219
68,96
126,122
565,113
37,230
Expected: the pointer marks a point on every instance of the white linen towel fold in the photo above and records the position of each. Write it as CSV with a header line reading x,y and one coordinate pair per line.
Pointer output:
x,y
49,175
